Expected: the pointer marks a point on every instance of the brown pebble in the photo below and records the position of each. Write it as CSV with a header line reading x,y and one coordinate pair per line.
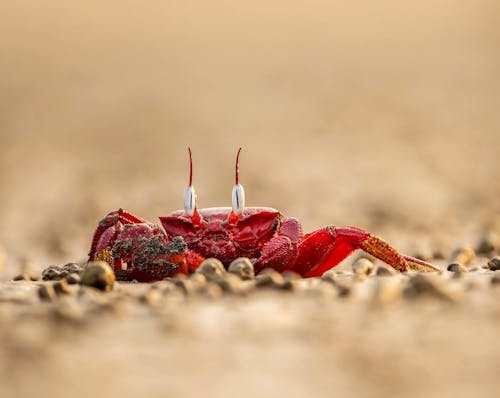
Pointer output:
x,y
230,284
71,268
52,273
73,279
330,276
494,263
197,280
98,274
46,292
62,287
495,280
455,267
243,268
384,271
211,268
488,242
268,278
421,285
386,291
152,298
362,266
26,277
211,290
462,255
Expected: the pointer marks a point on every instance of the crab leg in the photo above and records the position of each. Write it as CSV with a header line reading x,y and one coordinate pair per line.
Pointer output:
x,y
281,249
323,249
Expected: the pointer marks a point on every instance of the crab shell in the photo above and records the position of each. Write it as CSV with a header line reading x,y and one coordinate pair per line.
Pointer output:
x,y
216,236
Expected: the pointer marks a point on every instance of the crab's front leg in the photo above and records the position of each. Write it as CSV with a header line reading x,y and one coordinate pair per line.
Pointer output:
x,y
323,249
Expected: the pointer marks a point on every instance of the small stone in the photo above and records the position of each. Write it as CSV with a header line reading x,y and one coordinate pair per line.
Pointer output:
x,y
495,280
243,268
462,255
22,277
268,278
362,266
494,263
423,255
421,285
62,287
211,290
197,280
291,276
46,292
230,284
211,268
98,274
384,271
455,267
330,276
72,268
52,273
386,291
73,279
438,255
488,242
152,298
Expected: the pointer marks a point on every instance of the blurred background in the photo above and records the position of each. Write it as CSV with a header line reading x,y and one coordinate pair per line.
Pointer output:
x,y
384,115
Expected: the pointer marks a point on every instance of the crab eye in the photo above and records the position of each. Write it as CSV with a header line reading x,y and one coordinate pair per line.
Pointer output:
x,y
189,200
238,199
189,192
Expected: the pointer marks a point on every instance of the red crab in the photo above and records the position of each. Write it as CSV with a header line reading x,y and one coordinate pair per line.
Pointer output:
x,y
138,249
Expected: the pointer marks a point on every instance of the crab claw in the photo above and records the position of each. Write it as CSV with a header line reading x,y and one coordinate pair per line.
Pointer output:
x,y
140,250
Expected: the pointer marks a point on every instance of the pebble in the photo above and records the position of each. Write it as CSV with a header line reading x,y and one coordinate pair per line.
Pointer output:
x,y
98,274
25,277
488,242
211,268
362,267
46,292
211,290
73,279
494,263
386,291
462,255
62,287
153,297
421,285
456,267
269,278
385,271
243,268
52,273
330,276
230,284
72,268
495,280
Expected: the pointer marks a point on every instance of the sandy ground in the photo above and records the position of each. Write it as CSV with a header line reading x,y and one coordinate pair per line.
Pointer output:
x,y
383,116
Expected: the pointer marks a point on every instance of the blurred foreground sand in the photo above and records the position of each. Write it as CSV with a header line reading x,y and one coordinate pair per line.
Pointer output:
x,y
381,115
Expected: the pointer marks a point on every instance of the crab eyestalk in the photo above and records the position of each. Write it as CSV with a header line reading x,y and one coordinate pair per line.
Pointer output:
x,y
190,196
238,195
